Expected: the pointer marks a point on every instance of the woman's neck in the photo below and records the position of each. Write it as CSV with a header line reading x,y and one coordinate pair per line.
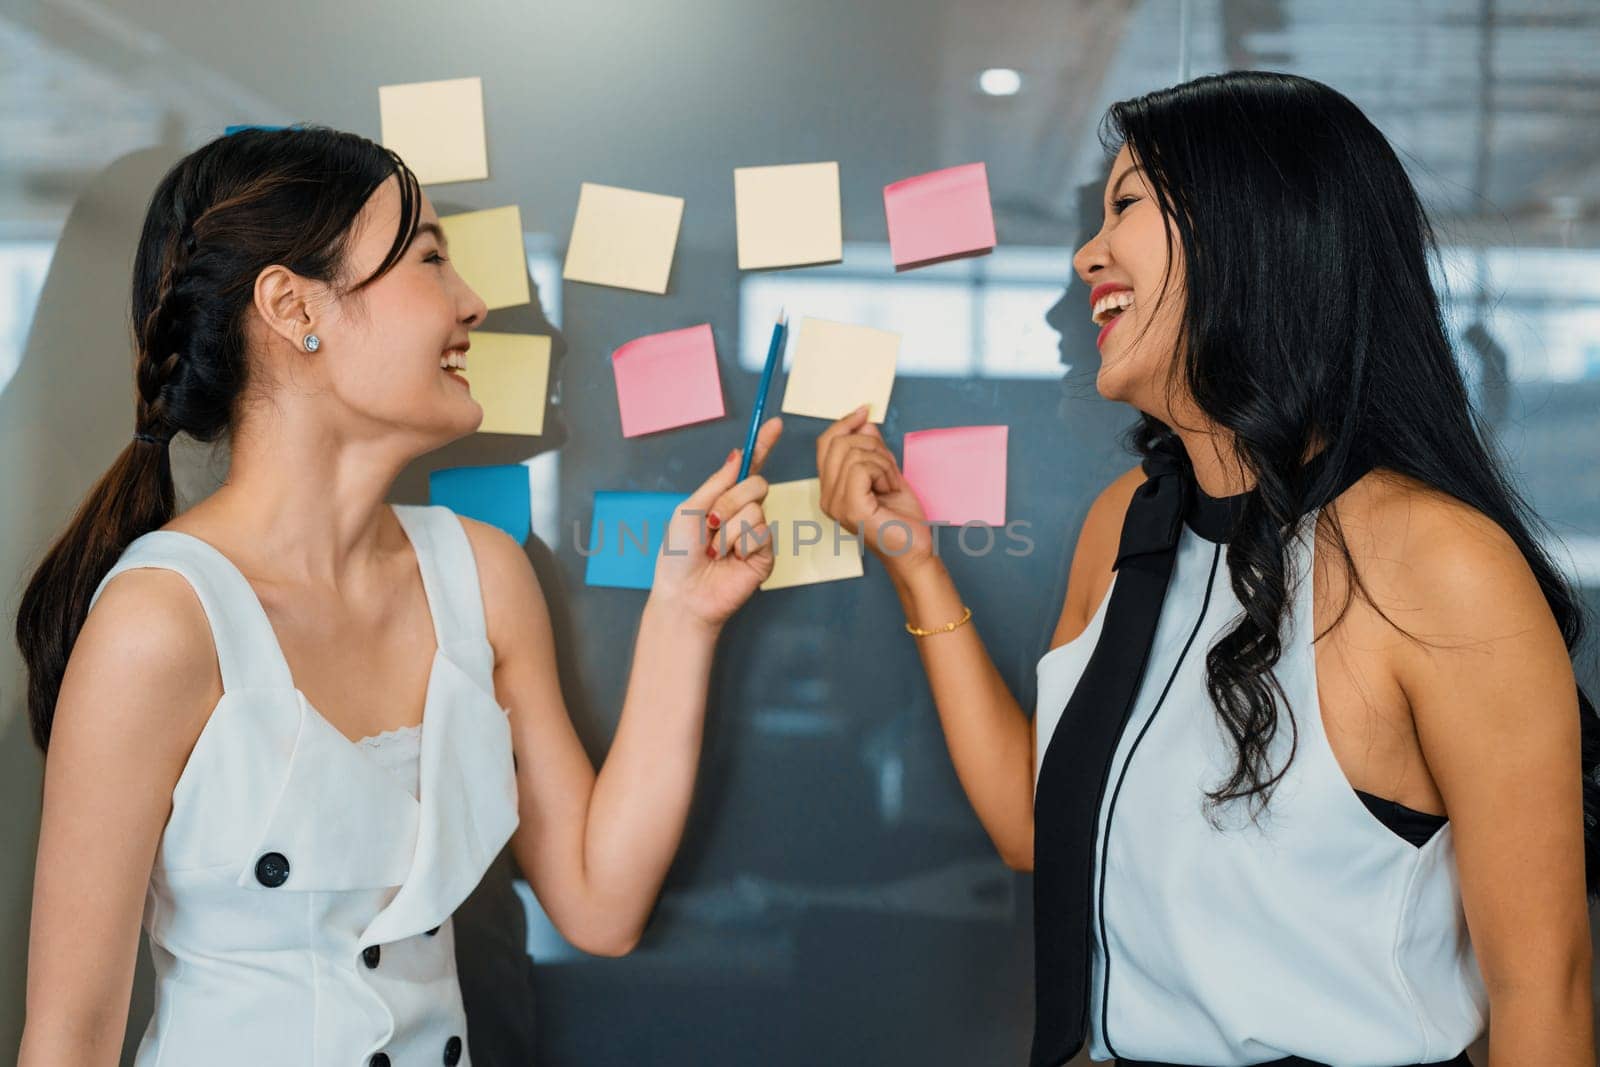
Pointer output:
x,y
1216,470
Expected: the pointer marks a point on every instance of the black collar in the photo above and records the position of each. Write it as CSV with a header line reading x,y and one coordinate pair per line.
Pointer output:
x,y
1215,518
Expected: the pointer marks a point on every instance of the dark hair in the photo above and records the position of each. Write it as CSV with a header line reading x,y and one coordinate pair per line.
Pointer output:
x,y
221,215
1310,313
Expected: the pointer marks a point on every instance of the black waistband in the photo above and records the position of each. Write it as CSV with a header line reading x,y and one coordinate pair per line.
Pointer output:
x,y
1291,1061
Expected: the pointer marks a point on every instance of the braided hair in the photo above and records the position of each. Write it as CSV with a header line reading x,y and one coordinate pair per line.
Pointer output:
x,y
218,218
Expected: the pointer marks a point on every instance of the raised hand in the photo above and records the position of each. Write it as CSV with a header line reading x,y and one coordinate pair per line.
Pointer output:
x,y
718,546
865,492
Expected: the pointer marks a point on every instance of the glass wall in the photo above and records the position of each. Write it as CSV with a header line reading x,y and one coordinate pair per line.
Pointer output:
x,y
835,900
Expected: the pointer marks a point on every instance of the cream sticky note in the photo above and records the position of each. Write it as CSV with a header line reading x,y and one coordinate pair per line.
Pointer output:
x,y
623,238
668,379
807,546
838,367
509,375
487,251
958,473
788,216
939,216
437,128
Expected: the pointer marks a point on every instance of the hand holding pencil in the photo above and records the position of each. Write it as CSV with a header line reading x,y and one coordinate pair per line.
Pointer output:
x,y
720,544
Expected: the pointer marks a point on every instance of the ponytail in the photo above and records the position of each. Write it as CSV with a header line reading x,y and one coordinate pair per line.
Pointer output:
x,y
136,495
219,217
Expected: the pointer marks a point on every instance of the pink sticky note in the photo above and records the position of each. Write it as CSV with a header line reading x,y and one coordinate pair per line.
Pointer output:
x,y
668,379
959,473
939,216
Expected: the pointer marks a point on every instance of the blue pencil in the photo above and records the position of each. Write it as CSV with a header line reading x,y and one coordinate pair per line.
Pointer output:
x,y
774,351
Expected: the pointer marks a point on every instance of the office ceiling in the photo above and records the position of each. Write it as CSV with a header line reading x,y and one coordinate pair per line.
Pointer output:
x,y
1495,105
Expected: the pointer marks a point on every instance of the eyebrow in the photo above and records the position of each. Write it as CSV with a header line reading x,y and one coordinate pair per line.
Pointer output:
x,y
434,229
1124,177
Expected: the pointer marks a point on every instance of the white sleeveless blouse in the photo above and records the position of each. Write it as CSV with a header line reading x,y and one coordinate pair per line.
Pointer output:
x,y
1318,933
299,906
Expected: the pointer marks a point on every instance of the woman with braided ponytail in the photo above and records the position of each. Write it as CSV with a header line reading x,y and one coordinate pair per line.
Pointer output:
x,y
293,294
1309,780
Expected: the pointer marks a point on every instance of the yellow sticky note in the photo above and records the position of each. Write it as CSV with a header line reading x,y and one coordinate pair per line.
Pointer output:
x,y
486,248
437,128
788,216
838,367
623,238
509,375
807,546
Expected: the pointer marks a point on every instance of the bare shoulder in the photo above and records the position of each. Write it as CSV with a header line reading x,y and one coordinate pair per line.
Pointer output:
x,y
512,598
1095,552
143,670
1452,570
1424,541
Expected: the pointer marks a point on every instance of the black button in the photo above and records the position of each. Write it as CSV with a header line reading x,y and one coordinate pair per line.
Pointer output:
x,y
433,931
452,1052
272,869
369,956
379,1059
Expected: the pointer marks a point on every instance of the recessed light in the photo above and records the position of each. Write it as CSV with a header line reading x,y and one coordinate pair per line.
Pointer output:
x,y
1000,81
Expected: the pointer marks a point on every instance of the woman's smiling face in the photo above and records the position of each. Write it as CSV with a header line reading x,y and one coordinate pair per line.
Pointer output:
x,y
1124,265
382,365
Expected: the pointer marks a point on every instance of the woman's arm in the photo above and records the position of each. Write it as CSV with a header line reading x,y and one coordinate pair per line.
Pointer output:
x,y
1492,693
595,848
139,685
991,739
989,736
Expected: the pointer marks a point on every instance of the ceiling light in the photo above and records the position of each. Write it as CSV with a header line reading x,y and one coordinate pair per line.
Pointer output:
x,y
1000,81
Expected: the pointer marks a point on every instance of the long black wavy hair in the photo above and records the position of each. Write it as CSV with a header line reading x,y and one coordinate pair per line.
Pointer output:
x,y
220,216
1310,313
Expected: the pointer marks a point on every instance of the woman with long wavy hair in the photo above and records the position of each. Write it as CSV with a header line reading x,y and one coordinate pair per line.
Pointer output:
x,y
1309,779
294,841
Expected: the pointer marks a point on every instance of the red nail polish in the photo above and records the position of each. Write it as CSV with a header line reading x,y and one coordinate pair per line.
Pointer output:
x,y
711,552
712,521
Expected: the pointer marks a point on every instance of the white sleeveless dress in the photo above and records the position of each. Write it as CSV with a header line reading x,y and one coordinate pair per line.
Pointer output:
x,y
299,906
1320,933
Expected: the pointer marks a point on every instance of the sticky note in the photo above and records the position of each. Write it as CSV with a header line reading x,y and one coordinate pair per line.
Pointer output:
x,y
788,216
837,367
623,238
496,495
509,375
958,473
668,379
625,537
807,546
487,251
437,128
939,216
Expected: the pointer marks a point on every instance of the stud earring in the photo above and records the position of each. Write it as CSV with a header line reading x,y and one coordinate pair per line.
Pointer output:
x,y
312,342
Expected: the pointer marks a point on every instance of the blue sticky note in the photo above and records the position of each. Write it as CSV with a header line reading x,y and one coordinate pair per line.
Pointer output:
x,y
246,126
496,495
625,537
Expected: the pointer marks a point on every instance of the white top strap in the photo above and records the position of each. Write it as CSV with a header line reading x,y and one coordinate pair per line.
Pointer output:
x,y
247,649
449,570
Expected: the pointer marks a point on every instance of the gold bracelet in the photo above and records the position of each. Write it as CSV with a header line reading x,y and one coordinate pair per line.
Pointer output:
x,y
946,628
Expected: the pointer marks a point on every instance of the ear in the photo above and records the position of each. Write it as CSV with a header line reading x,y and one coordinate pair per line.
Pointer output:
x,y
283,300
